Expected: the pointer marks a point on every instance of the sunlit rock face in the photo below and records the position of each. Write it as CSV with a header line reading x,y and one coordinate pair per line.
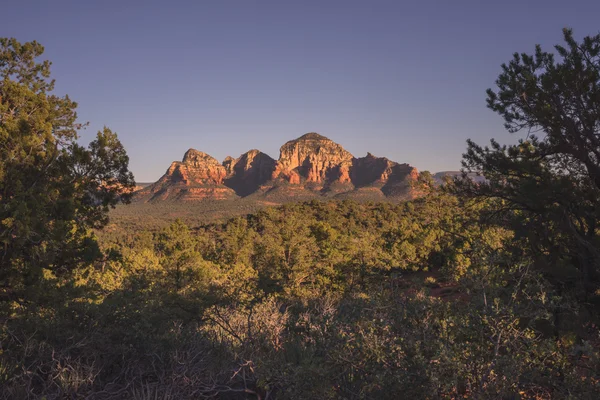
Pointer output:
x,y
308,167
312,158
228,163
198,176
200,168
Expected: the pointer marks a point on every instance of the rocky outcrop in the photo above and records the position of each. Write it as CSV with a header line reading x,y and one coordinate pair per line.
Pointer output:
x,y
200,168
249,172
309,166
198,176
392,178
228,163
312,158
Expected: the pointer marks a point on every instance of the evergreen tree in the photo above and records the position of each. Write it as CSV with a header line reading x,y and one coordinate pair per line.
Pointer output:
x,y
546,188
53,191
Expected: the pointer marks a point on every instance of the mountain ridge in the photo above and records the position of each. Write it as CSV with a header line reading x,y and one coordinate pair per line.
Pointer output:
x,y
310,166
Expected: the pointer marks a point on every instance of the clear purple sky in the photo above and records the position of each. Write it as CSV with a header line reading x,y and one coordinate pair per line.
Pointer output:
x,y
401,79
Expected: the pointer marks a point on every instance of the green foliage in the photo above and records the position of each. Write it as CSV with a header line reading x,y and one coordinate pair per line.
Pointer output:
x,y
477,290
546,188
321,300
53,192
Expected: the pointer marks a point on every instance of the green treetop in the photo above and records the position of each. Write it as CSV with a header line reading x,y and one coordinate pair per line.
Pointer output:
x,y
52,190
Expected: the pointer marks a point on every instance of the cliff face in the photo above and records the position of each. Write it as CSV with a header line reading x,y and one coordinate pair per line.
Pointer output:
x,y
199,168
308,167
247,173
198,176
312,158
392,178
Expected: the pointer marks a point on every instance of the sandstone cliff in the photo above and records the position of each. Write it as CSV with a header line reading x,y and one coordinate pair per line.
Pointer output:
x,y
198,176
308,167
313,158
247,173
391,178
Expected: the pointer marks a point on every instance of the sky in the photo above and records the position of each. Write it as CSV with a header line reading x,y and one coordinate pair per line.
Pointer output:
x,y
400,79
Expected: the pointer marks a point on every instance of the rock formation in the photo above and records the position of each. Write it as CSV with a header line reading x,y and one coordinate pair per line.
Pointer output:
x,y
247,173
309,166
312,158
392,178
198,176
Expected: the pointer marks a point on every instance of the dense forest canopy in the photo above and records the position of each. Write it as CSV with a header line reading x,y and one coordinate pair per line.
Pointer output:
x,y
483,289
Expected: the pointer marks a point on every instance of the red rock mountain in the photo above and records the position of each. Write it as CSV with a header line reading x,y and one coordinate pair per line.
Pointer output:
x,y
198,176
309,166
312,158
249,172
